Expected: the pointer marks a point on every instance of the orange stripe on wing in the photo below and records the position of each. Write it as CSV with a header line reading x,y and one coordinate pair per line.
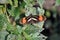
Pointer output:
x,y
23,20
42,18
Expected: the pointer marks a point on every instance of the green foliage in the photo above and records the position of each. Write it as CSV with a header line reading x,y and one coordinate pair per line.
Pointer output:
x,y
13,4
57,2
3,35
48,14
17,32
3,21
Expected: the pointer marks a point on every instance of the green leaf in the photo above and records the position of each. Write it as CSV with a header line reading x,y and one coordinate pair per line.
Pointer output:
x,y
19,28
26,36
3,1
28,1
3,21
12,37
15,3
10,1
15,11
12,29
11,12
40,37
48,14
1,5
31,29
19,37
3,34
57,2
23,4
1,12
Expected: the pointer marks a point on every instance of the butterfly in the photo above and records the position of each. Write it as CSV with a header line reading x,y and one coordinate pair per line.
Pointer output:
x,y
32,19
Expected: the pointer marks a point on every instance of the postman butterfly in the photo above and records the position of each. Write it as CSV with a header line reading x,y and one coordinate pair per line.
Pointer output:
x,y
32,19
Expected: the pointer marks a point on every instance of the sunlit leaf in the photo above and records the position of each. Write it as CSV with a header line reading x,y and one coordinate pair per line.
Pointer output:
x,y
10,1
15,3
3,1
26,36
11,37
3,34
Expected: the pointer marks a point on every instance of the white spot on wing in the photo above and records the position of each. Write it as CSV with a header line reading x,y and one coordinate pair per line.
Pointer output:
x,y
32,19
